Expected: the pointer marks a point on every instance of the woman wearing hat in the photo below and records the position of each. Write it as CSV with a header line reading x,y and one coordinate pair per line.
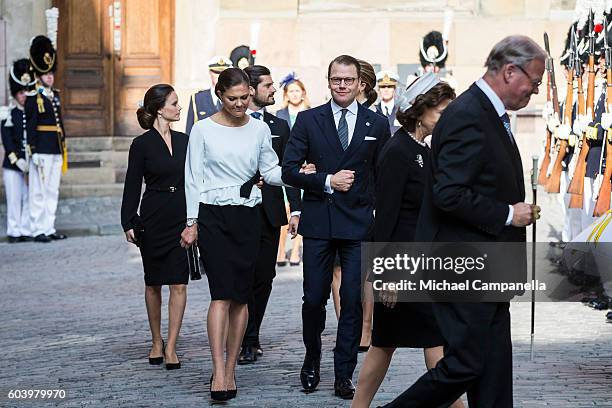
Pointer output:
x,y
399,189
15,165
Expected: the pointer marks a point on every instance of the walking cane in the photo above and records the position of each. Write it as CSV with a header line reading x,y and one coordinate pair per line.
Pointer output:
x,y
534,190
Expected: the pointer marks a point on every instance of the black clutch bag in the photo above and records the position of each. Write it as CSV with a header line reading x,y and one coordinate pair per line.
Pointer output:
x,y
138,229
193,259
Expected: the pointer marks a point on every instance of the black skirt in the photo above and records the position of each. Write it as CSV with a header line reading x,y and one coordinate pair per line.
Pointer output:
x,y
163,259
229,238
405,325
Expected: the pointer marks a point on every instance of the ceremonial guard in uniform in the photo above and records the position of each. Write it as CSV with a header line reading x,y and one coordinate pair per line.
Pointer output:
x,y
433,53
242,57
15,164
273,215
387,83
46,142
205,103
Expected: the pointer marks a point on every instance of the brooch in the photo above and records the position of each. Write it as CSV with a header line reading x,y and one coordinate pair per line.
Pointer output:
x,y
367,123
419,160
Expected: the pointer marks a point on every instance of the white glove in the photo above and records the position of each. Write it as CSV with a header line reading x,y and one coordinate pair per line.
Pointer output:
x,y
547,110
22,165
552,123
606,120
580,124
563,132
36,159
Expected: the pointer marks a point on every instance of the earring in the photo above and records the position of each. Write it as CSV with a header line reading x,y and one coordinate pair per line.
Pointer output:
x,y
419,123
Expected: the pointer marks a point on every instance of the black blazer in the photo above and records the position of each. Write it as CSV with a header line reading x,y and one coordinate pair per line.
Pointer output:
x,y
314,139
273,200
475,173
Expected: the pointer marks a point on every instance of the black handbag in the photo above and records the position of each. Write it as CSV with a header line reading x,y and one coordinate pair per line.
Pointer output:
x,y
193,259
138,229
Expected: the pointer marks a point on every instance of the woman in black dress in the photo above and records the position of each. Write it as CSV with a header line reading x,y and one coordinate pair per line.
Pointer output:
x,y
158,155
399,190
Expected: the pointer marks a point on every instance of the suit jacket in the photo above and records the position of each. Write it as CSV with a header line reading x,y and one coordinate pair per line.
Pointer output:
x,y
273,200
393,125
201,106
314,139
49,115
475,172
12,137
284,114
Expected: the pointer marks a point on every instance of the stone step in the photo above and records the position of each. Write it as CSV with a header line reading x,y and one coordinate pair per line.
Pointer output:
x,y
79,176
106,158
91,190
98,144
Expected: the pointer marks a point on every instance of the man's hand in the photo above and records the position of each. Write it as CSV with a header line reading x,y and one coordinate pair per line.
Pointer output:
x,y
130,237
343,180
36,159
260,183
292,228
525,214
189,236
309,168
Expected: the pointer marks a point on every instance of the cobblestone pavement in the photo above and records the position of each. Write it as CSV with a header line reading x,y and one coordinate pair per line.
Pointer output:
x,y
73,318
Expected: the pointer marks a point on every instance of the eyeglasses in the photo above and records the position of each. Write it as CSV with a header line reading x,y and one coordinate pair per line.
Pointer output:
x,y
347,81
535,84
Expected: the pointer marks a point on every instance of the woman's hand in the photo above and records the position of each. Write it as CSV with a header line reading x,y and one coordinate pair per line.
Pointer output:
x,y
130,237
309,168
189,236
389,298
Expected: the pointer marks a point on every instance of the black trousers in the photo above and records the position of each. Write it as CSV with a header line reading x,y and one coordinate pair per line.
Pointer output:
x,y
477,359
319,257
265,271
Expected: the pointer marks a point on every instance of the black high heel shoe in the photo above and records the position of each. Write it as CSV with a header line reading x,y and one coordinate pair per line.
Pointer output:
x,y
232,393
217,395
158,360
172,366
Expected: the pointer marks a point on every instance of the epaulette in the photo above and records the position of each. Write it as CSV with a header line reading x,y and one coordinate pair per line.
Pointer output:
x,y
5,113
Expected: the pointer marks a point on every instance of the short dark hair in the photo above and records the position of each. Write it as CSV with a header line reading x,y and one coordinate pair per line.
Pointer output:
x,y
230,77
430,99
154,100
345,60
255,72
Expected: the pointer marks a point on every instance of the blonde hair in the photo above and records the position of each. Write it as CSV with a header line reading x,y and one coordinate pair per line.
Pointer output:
x,y
305,100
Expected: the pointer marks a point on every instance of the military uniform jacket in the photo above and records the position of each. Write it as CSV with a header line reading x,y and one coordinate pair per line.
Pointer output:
x,y
13,137
201,106
593,158
44,124
393,124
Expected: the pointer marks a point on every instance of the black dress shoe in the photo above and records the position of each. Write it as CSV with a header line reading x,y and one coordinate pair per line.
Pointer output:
x,y
232,393
56,237
172,366
259,351
12,240
42,238
310,373
281,263
601,303
158,360
217,395
363,349
25,238
344,388
248,355
609,317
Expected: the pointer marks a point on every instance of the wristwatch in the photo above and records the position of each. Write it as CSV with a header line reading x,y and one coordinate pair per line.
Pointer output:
x,y
191,222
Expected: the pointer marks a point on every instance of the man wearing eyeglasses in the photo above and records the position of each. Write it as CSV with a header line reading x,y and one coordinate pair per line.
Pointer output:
x,y
343,140
475,192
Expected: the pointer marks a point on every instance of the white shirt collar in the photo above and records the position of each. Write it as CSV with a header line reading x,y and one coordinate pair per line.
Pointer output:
x,y
389,104
352,108
490,93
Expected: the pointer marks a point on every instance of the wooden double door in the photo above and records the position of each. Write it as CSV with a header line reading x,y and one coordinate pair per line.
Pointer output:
x,y
109,53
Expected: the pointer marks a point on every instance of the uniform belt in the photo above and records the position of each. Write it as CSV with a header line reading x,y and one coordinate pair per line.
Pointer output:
x,y
170,189
48,128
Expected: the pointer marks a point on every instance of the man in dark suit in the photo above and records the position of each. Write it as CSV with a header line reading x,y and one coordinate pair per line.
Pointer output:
x,y
205,102
475,192
343,140
274,214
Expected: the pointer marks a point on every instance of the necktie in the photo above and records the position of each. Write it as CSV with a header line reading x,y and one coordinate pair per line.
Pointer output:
x,y
386,111
256,115
343,130
506,120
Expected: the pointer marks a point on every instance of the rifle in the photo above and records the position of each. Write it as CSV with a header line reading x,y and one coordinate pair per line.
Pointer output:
x,y
554,181
603,198
576,187
551,93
